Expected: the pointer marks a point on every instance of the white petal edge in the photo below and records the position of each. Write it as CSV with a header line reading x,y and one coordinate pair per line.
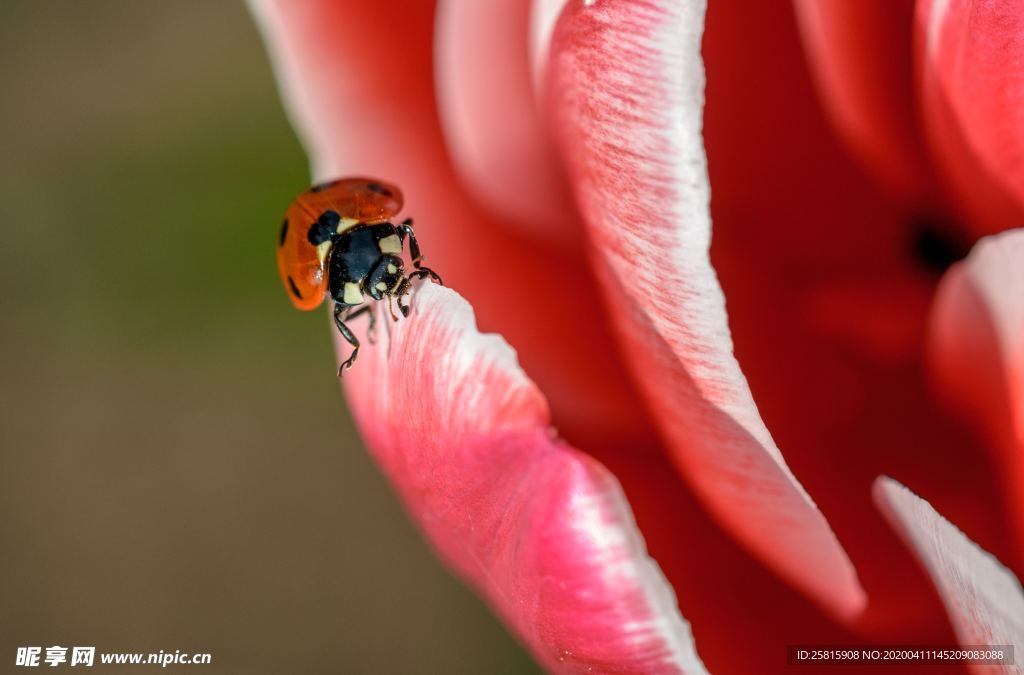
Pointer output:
x,y
601,521
640,159
983,598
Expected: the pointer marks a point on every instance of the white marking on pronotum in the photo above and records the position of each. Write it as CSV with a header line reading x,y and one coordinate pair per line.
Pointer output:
x,y
352,296
346,224
390,244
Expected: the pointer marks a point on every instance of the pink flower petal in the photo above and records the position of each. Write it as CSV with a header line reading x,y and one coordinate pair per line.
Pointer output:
x,y
491,121
973,98
984,600
543,17
626,87
541,530
375,113
977,349
860,54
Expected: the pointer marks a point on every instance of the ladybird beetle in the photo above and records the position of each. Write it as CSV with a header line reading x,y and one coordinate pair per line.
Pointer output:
x,y
337,237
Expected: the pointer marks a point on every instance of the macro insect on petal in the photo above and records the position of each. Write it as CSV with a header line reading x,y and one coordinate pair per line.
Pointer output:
x,y
337,238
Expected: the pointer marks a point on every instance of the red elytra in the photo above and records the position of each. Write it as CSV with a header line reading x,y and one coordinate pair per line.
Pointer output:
x,y
299,262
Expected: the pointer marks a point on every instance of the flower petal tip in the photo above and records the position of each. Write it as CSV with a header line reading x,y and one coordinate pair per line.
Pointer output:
x,y
983,599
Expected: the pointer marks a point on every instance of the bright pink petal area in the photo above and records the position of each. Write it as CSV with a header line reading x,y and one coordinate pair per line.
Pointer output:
x,y
358,80
984,600
970,54
541,530
977,349
491,121
860,53
626,87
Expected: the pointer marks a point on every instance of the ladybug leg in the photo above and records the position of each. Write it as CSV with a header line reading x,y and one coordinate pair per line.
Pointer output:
x,y
405,230
391,309
424,272
348,335
371,331
403,290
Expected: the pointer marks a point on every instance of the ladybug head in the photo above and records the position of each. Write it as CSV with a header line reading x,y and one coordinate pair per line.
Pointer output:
x,y
387,278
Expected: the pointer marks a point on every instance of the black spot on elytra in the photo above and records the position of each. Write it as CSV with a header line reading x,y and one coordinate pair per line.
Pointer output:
x,y
284,232
937,245
379,189
295,289
325,227
320,187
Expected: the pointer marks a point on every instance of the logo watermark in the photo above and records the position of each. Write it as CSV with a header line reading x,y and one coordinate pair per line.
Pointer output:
x,y
74,656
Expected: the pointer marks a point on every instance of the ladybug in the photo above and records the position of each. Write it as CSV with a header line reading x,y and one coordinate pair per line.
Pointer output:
x,y
337,237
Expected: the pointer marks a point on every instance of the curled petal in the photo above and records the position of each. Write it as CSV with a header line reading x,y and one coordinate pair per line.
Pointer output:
x,y
984,600
625,87
497,139
860,54
973,99
976,347
540,529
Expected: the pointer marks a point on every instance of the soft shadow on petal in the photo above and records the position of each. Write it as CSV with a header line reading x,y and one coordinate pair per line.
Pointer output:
x,y
541,530
860,53
984,600
976,349
358,81
491,120
972,88
828,299
626,86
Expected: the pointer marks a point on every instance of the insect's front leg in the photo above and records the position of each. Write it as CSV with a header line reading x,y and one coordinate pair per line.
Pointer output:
x,y
349,336
403,290
405,230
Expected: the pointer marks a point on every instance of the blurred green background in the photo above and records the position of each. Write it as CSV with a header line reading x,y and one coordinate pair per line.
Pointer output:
x,y
177,468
